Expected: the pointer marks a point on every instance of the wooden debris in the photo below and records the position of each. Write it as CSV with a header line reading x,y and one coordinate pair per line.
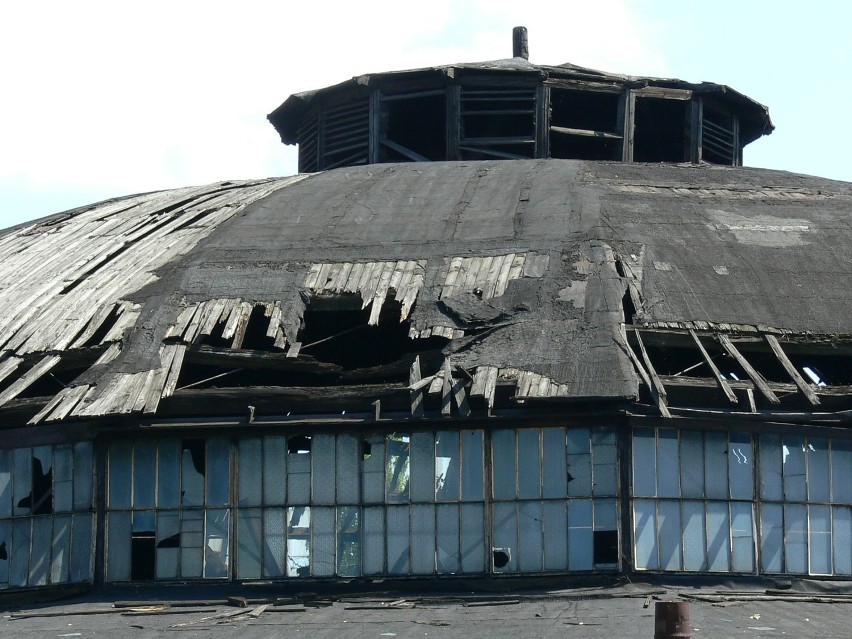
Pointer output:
x,y
721,381
803,386
756,377
486,276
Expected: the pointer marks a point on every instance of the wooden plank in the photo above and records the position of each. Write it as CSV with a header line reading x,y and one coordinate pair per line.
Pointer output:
x,y
803,386
586,133
446,390
535,381
181,322
142,397
29,378
437,383
109,354
274,321
493,276
522,388
503,277
233,320
479,379
482,276
721,381
312,276
471,273
417,396
491,385
213,315
322,278
461,398
280,339
9,365
404,151
175,362
453,270
661,404
294,349
242,324
62,404
756,377
342,277
355,273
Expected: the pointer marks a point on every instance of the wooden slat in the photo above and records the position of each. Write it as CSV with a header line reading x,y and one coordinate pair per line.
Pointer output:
x,y
446,390
414,376
9,365
29,378
233,319
491,385
660,401
807,391
242,324
756,377
461,398
61,405
721,381
174,367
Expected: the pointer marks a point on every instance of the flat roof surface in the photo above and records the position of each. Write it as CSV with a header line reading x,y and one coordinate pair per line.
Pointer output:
x,y
621,611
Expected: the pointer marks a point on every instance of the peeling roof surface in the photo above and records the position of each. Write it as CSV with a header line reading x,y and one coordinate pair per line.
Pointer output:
x,y
523,265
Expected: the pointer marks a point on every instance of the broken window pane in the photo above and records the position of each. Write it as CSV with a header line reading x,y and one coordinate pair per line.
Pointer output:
x,y
529,463
63,475
23,476
579,443
118,546
447,466
5,550
819,481
144,473
217,544
530,548
299,541
274,542
83,476
715,464
299,478
580,537
472,479
348,488
6,457
249,540
192,543
447,544
250,470
473,538
397,540
396,486
644,464
771,458
323,541
554,472
605,472
422,467
193,468
555,533
143,546
348,541
793,459
168,545
740,466
503,461
323,481
374,471
505,535
274,471
218,472
422,539
373,553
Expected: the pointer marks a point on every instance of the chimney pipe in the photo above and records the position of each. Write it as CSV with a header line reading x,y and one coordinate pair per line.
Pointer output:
x,y
520,43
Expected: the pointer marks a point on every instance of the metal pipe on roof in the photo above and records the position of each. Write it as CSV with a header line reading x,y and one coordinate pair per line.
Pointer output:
x,y
520,43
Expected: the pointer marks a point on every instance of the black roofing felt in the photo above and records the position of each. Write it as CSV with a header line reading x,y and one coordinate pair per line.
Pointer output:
x,y
723,245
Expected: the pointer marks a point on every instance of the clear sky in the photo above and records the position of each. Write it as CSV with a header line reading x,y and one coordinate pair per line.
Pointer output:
x,y
106,98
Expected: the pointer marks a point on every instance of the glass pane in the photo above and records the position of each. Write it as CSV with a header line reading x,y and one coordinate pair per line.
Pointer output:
x,y
63,491
771,485
473,538
19,557
5,485
193,467
842,529
644,465
819,481
793,456
348,488
742,537
373,553
605,472
645,534
81,548
250,472
168,545
348,541
841,471
323,474
216,547
505,532
740,466
120,466
22,488
322,542
447,466
192,543
118,546
398,471
503,461
692,463
298,541
555,531
40,557
473,481
579,446
795,538
718,537
670,535
530,548
422,467
694,539
42,481
274,542
60,562
580,535
218,472
819,540
274,471
423,539
771,535
397,540
144,473
168,484
249,551
668,464
6,545
715,465
447,552
555,484
373,468
529,463
299,478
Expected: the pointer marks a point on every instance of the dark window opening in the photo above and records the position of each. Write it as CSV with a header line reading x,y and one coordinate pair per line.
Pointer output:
x,y
500,557
718,137
142,555
308,135
605,547
585,125
55,380
418,124
40,500
4,554
627,306
345,134
660,130
255,336
497,123
170,542
366,449
197,452
299,445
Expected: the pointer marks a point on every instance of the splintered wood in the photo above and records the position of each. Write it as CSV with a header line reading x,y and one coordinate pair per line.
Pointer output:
x,y
373,281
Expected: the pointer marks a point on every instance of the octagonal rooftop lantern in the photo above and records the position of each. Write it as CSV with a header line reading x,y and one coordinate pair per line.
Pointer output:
x,y
514,109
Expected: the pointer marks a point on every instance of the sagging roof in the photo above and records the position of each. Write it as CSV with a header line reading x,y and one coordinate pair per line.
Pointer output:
x,y
287,117
523,273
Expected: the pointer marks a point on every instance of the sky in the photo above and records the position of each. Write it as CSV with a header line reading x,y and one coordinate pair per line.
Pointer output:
x,y
104,98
